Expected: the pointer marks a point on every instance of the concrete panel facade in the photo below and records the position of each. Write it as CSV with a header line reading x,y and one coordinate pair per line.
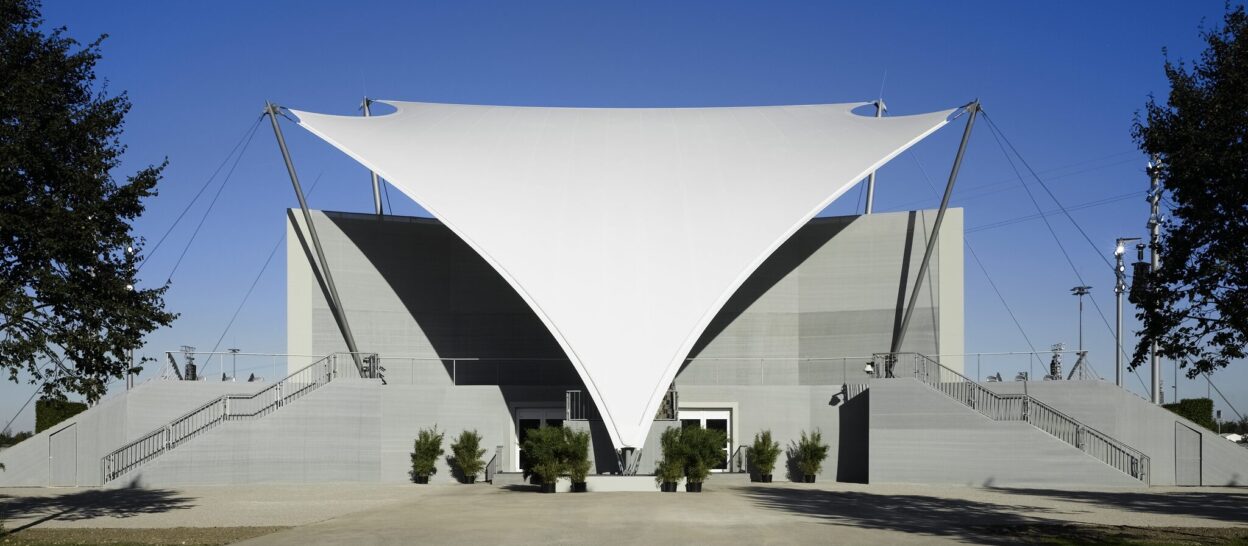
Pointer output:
x,y
919,435
1141,425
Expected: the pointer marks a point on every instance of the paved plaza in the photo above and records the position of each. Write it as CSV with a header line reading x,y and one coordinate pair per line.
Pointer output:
x,y
730,510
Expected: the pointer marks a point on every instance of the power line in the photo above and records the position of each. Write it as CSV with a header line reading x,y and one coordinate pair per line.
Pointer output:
x,y
213,203
207,182
982,269
998,138
1050,212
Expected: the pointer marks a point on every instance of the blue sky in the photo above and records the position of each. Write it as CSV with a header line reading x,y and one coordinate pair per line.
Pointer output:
x,y
1062,80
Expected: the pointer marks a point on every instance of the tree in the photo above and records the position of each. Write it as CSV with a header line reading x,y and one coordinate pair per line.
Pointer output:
x,y
1194,306
70,313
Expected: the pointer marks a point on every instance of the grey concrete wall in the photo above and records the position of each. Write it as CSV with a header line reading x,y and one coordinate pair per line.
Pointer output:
x,y
919,435
837,288
330,435
1139,424
107,426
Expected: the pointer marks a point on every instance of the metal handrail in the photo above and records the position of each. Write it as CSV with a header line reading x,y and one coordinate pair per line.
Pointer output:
x,y
491,468
739,460
1015,407
229,407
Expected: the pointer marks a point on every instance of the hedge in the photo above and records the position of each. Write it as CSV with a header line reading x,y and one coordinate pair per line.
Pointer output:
x,y
1197,410
49,412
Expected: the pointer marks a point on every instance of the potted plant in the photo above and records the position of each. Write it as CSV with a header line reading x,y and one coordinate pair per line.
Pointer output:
x,y
545,450
702,448
425,453
763,455
466,454
810,453
671,467
577,444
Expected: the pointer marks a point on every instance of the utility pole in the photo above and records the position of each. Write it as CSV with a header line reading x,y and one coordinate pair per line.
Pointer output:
x,y
1154,242
880,108
1120,286
234,356
376,181
1081,291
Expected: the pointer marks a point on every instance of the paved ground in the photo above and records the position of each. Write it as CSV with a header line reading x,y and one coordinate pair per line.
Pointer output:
x,y
729,510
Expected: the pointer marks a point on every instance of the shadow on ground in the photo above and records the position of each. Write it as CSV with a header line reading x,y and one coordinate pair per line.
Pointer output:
x,y
932,516
1230,505
96,503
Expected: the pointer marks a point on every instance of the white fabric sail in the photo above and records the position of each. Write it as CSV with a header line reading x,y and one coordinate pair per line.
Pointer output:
x,y
626,230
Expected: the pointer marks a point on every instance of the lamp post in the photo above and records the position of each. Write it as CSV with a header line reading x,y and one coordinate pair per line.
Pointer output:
x,y
1120,286
1081,291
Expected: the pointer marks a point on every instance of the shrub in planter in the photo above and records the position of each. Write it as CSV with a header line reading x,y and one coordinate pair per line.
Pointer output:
x,y
810,453
425,453
671,467
577,457
466,454
702,448
546,451
763,455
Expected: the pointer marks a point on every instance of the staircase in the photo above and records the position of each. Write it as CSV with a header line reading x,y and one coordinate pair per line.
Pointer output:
x,y
236,407
1014,407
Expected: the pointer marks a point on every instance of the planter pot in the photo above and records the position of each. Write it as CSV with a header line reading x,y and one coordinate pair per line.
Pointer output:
x,y
422,479
470,479
765,478
548,488
667,487
693,487
579,487
809,478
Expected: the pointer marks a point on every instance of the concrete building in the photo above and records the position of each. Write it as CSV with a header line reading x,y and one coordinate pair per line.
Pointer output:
x,y
500,319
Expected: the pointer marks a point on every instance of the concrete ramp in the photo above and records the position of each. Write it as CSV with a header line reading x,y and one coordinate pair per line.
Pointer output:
x,y
920,435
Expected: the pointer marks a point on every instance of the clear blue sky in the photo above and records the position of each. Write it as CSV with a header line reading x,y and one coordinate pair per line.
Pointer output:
x,y
1063,80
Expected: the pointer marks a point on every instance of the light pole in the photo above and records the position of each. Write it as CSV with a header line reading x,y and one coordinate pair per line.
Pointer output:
x,y
234,357
1120,286
1081,291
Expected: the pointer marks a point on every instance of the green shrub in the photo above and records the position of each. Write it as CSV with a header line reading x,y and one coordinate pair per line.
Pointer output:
x,y
1196,410
764,452
576,443
810,453
466,453
671,466
425,452
702,448
546,450
50,411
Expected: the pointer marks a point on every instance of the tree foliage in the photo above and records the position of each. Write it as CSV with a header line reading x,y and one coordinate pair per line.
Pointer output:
x,y
69,311
1194,306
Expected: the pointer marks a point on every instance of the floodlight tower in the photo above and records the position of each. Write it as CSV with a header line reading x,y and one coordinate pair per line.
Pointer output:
x,y
1081,291
1120,286
1154,243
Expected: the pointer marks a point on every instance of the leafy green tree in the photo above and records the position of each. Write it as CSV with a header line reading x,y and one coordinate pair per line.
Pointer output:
x,y
467,453
1194,306
425,452
70,313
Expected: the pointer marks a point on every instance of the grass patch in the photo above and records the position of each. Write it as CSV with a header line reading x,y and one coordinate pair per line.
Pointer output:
x,y
1114,535
180,536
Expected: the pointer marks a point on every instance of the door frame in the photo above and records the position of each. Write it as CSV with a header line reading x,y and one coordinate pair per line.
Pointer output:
x,y
513,436
734,421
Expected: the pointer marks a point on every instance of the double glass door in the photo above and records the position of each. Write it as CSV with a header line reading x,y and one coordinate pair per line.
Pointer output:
x,y
533,418
713,419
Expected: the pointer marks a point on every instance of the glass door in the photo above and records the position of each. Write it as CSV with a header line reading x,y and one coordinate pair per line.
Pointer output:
x,y
714,419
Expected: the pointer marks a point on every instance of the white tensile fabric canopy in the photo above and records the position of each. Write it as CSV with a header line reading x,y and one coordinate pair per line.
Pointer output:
x,y
626,230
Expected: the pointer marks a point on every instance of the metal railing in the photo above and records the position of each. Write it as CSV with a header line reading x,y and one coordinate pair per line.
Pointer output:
x,y
739,460
579,407
491,468
1015,407
228,407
